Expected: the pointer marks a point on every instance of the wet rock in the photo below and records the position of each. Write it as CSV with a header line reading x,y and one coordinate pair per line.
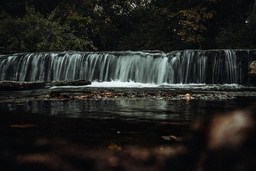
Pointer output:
x,y
252,73
226,142
58,96
18,85
70,83
230,131
252,68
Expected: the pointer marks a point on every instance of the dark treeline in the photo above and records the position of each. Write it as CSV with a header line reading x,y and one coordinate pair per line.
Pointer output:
x,y
87,25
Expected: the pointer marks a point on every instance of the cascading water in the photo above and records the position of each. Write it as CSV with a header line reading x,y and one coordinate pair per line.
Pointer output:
x,y
189,66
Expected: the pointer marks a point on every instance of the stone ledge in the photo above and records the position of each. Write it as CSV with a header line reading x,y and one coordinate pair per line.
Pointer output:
x,y
20,85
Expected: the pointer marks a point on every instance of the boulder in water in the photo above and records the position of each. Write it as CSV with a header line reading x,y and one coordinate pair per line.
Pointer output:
x,y
252,68
252,73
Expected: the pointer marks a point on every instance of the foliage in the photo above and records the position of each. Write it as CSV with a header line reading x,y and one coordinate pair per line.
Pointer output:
x,y
192,25
34,32
45,25
147,30
239,32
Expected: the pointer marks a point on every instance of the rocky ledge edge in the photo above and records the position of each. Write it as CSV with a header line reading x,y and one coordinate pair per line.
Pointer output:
x,y
24,85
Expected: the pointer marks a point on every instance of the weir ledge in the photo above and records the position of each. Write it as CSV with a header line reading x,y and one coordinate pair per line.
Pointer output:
x,y
216,66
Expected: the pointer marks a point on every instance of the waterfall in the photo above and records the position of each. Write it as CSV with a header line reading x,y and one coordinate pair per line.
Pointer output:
x,y
188,66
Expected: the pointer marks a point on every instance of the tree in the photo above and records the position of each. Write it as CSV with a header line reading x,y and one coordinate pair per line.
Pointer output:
x,y
126,25
34,32
237,29
193,23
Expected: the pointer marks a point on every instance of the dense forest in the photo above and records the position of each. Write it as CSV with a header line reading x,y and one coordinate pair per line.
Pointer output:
x,y
106,25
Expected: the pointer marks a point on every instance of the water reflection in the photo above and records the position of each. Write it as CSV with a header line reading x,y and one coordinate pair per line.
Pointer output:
x,y
179,110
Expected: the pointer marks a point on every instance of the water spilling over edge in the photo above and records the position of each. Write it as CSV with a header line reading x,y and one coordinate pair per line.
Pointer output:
x,y
177,67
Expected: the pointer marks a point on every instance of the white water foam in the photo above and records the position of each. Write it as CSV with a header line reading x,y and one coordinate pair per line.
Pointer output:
x,y
130,84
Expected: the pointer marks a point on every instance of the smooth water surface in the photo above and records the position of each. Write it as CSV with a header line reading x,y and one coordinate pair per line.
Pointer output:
x,y
126,109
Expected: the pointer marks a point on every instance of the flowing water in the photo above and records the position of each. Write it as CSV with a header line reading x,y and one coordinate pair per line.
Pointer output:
x,y
177,67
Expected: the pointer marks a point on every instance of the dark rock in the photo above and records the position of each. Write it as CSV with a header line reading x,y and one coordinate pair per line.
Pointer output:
x,y
18,85
70,83
252,73
252,68
226,142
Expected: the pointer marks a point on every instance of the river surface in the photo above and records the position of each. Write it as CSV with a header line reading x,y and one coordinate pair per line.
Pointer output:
x,y
127,109
129,101
82,126
101,122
